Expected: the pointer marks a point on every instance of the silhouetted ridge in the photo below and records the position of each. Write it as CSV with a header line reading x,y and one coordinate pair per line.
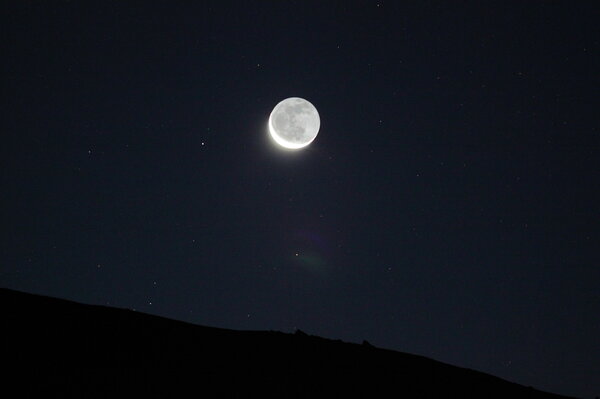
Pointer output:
x,y
58,347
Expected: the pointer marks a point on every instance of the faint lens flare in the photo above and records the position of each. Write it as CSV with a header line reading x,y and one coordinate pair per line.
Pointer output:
x,y
312,262
310,254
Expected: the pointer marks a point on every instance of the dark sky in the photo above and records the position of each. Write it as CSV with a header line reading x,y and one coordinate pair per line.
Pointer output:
x,y
449,206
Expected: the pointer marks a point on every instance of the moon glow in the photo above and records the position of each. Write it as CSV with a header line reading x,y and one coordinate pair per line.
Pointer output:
x,y
294,123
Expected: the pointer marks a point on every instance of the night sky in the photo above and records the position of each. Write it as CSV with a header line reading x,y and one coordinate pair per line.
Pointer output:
x,y
449,206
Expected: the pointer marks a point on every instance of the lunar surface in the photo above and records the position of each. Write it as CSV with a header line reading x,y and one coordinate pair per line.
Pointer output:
x,y
294,123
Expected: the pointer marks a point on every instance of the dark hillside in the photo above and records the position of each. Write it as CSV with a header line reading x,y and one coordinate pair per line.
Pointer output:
x,y
57,347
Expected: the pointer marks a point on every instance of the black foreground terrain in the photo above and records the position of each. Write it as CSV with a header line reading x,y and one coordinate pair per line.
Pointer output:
x,y
58,348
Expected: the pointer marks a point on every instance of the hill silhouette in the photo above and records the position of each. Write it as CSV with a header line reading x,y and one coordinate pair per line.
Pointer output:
x,y
55,347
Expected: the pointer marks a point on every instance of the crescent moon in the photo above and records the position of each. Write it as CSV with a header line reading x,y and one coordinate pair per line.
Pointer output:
x,y
294,123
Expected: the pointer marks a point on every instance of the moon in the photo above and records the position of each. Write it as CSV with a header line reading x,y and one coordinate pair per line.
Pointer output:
x,y
294,123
